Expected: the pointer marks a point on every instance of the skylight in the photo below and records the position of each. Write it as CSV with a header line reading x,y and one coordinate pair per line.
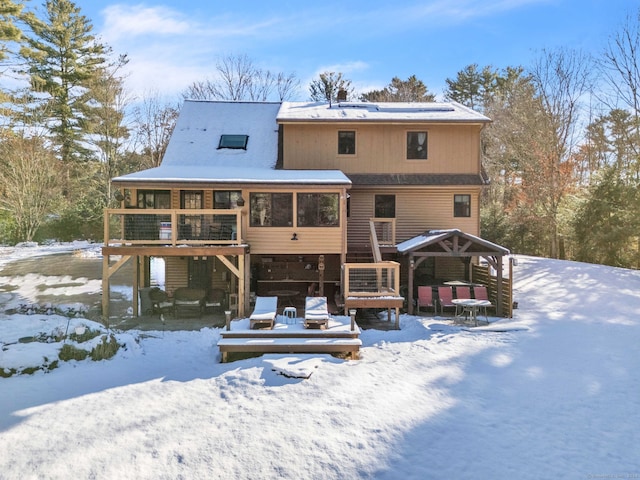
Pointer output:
x,y
233,141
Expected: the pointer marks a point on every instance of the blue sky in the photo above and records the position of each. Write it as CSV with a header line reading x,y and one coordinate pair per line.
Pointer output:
x,y
173,43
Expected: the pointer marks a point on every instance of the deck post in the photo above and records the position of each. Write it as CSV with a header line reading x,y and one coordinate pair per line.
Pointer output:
x,y
105,287
227,318
352,314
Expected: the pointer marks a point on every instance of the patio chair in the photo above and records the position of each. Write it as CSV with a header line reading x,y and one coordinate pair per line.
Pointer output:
x,y
445,297
462,292
188,300
159,301
264,312
216,300
425,298
480,293
316,312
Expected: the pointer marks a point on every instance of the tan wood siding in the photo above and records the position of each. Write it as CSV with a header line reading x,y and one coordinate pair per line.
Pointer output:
x,y
176,273
382,148
266,240
417,210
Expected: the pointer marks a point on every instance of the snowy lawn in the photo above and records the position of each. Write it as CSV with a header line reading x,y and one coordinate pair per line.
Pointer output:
x,y
551,393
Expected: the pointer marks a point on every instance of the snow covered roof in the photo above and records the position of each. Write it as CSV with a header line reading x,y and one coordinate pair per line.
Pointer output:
x,y
436,112
235,175
434,237
200,125
193,154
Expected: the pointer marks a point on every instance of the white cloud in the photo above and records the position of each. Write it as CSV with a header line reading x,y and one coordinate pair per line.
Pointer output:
x,y
121,21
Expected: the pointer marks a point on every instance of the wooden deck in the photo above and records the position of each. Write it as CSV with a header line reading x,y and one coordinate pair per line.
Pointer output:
x,y
388,302
291,337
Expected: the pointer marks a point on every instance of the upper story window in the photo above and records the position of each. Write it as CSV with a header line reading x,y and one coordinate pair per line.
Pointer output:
x,y
346,142
191,199
462,205
226,198
233,141
385,206
318,210
154,199
271,209
417,145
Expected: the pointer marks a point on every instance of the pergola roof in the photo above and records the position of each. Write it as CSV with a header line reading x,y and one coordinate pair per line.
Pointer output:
x,y
451,243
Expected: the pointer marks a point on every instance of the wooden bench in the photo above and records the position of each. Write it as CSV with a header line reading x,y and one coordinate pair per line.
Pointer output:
x,y
290,345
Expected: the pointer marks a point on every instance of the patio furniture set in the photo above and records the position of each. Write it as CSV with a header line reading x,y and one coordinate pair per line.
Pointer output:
x,y
464,303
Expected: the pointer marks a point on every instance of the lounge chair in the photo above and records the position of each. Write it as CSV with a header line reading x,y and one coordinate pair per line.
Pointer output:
x,y
425,298
264,312
316,312
445,297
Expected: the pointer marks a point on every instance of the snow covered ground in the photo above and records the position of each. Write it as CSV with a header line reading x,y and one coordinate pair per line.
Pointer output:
x,y
552,393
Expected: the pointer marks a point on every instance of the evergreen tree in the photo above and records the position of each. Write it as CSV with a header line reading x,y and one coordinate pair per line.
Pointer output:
x,y
472,87
327,87
606,223
9,32
409,90
62,59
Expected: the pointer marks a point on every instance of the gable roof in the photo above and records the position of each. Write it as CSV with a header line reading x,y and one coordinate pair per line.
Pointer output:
x,y
196,136
436,112
193,154
451,242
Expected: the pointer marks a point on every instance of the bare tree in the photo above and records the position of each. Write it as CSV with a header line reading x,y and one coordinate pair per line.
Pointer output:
x,y
620,64
155,120
29,190
562,79
239,79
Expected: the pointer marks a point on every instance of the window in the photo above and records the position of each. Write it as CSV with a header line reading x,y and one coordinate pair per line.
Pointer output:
x,y
271,209
233,141
226,199
191,199
154,199
346,142
462,205
385,206
318,210
190,226
416,145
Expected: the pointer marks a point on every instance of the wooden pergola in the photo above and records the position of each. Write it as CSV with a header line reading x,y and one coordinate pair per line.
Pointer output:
x,y
452,243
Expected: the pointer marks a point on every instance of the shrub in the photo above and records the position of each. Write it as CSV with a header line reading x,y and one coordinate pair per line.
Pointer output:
x,y
106,349
69,352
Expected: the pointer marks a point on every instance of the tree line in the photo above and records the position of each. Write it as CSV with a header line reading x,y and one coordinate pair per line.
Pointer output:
x,y
561,152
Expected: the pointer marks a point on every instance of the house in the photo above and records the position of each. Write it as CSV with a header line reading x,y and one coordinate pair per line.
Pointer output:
x,y
298,198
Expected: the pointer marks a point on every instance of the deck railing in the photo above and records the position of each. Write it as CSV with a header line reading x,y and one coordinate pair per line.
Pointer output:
x,y
172,227
385,229
371,279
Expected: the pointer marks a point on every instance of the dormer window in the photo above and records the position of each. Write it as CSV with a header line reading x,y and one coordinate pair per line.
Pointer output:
x,y
233,141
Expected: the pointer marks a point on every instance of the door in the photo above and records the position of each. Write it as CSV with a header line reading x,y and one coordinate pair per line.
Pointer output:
x,y
200,269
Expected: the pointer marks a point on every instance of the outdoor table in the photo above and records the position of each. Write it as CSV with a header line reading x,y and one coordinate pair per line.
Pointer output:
x,y
471,306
